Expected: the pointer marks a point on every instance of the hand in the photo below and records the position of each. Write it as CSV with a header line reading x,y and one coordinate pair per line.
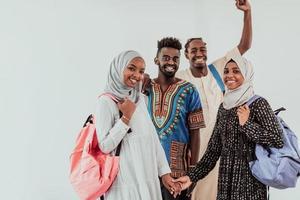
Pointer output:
x,y
172,187
127,107
177,189
243,5
243,113
184,181
146,83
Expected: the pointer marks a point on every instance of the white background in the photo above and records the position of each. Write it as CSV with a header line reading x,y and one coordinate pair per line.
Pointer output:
x,y
54,57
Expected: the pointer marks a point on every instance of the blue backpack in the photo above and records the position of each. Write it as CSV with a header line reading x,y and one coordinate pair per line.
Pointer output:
x,y
278,168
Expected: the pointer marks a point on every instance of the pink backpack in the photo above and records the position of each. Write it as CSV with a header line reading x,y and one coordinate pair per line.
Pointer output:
x,y
92,171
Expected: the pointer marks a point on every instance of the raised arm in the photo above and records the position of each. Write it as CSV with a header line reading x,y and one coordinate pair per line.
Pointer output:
x,y
246,39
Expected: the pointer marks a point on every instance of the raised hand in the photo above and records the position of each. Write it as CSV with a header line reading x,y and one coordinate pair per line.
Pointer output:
x,y
243,5
243,113
184,182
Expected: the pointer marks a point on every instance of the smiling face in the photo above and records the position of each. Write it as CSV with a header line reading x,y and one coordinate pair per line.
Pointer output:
x,y
134,72
168,61
196,53
232,77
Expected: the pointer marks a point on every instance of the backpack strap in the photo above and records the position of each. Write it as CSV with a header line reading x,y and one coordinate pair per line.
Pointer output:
x,y
90,120
252,99
217,77
277,111
115,99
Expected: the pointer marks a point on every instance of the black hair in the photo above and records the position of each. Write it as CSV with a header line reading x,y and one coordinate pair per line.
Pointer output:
x,y
187,44
169,42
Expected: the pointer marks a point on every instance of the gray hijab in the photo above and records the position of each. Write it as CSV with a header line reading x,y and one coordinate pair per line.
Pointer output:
x,y
240,95
115,83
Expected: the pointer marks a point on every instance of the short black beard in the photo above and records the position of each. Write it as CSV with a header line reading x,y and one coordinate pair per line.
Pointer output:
x,y
166,74
169,75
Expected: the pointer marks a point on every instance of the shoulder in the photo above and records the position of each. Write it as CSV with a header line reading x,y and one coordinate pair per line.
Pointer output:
x,y
221,108
182,74
260,106
190,92
105,98
188,86
106,102
260,102
106,109
222,113
153,83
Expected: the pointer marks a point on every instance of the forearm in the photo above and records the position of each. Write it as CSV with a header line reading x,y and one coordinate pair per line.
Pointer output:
x,y
246,39
162,163
269,136
111,140
209,159
194,146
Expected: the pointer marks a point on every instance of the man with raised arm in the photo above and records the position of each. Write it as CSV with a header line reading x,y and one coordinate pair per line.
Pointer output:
x,y
208,81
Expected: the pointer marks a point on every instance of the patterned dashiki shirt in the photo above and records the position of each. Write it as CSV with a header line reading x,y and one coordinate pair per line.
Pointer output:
x,y
174,114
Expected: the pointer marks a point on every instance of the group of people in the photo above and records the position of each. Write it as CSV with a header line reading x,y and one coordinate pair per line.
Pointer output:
x,y
185,128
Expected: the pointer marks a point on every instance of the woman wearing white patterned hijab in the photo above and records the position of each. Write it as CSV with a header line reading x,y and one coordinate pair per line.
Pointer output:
x,y
142,158
244,92
115,81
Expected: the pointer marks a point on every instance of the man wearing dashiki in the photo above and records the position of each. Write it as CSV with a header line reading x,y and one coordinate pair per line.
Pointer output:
x,y
175,108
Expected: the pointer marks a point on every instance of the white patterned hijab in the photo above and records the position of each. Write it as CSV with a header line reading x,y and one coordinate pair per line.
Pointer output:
x,y
115,81
240,95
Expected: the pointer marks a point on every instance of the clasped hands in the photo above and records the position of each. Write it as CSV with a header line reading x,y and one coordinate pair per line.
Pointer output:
x,y
175,186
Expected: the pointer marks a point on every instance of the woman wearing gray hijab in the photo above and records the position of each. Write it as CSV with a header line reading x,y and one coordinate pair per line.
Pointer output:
x,y
238,129
142,159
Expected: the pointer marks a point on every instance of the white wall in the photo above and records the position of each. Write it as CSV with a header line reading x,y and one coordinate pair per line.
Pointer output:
x,y
54,56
